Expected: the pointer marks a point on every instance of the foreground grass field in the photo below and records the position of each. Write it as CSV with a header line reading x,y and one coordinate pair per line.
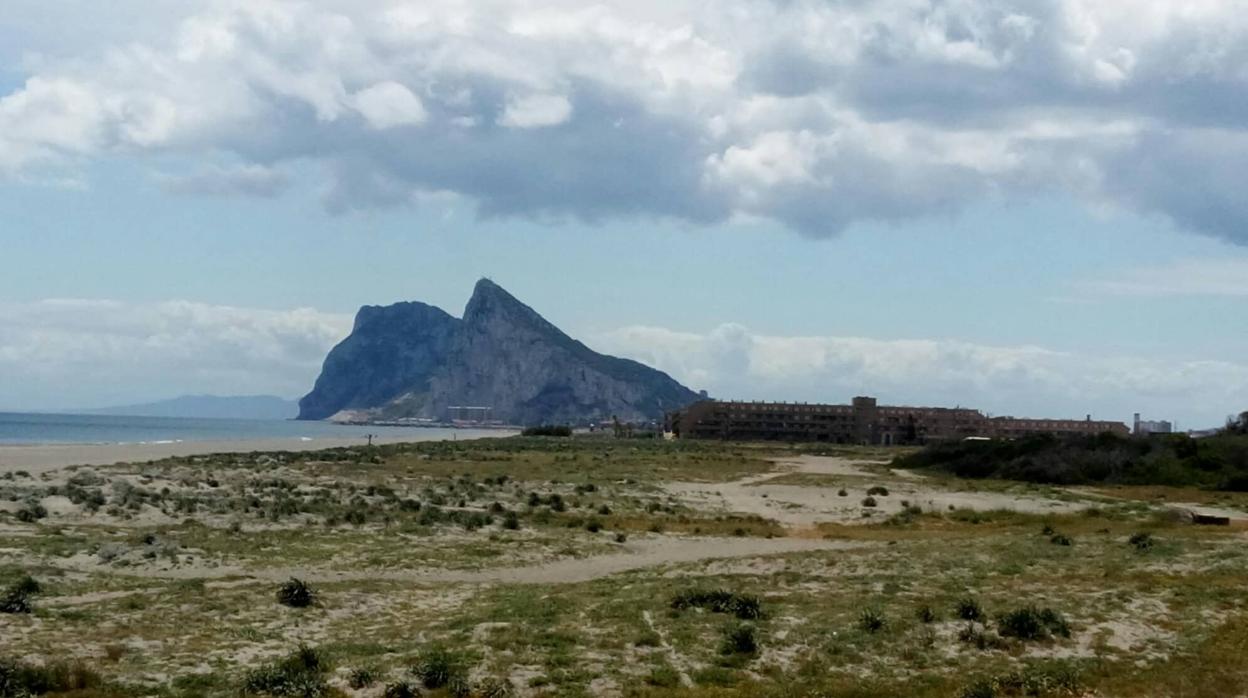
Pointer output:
x,y
602,567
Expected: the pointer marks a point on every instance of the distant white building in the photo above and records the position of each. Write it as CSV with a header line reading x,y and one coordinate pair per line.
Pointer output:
x,y
1144,427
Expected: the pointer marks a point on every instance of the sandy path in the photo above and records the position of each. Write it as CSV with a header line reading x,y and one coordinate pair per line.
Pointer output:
x,y
46,458
652,552
807,505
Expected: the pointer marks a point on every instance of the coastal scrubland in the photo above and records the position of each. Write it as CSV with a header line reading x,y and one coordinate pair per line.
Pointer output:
x,y
599,566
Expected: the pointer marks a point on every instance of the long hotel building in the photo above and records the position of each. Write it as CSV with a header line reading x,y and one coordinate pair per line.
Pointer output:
x,y
862,422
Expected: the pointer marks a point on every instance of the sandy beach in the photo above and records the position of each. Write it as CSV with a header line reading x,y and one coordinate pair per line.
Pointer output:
x,y
47,457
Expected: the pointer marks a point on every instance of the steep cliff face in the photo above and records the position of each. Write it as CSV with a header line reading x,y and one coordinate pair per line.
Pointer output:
x,y
391,351
502,355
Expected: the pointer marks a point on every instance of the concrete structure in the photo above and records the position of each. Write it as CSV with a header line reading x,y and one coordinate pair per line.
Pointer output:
x,y
863,421
1144,427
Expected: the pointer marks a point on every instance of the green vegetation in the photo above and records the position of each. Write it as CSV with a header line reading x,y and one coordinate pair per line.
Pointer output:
x,y
20,679
425,588
17,597
548,430
1217,462
302,674
1031,623
296,593
719,601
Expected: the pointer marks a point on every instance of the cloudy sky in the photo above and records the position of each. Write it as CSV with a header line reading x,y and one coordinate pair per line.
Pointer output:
x,y
1028,207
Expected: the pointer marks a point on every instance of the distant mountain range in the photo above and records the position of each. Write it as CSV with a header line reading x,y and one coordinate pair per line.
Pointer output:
x,y
207,407
415,360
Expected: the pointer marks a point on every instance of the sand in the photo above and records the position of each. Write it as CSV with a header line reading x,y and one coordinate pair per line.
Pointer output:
x,y
643,553
45,458
807,505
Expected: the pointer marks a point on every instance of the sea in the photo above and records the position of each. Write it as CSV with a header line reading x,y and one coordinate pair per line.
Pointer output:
x,y
31,429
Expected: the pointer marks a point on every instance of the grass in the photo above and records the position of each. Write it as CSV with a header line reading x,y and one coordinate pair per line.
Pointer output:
x,y
1179,598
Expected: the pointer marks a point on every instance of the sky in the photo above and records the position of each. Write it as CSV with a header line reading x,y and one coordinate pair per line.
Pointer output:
x,y
1033,208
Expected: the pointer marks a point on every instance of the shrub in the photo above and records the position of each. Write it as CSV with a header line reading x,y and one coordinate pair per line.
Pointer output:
x,y
926,614
739,639
969,609
872,620
21,679
16,598
869,502
972,635
548,430
400,689
1031,623
31,512
438,667
663,676
604,510
511,521
648,639
1057,678
1061,539
980,688
1141,541
842,492
296,593
620,538
878,489
300,675
593,526
362,677
742,606
495,688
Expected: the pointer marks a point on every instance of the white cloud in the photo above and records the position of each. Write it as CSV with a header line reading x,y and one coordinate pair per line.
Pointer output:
x,y
813,114
389,104
536,111
731,362
1185,277
81,353
241,180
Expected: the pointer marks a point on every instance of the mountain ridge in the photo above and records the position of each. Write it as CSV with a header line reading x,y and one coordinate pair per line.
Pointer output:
x,y
204,407
411,359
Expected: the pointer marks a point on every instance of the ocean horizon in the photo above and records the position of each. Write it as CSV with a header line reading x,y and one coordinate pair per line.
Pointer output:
x,y
37,428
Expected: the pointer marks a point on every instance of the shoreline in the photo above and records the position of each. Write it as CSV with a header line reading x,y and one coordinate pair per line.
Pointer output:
x,y
42,458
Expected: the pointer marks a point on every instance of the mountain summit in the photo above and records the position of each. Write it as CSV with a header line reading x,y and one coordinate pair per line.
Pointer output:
x,y
414,360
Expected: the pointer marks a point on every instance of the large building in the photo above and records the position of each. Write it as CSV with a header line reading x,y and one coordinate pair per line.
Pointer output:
x,y
1144,427
862,422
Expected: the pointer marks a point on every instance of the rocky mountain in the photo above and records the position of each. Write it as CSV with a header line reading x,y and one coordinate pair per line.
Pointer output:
x,y
414,360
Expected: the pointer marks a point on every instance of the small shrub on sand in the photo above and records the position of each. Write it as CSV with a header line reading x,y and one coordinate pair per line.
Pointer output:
x,y
400,689
302,674
869,502
1031,623
663,676
495,688
743,606
362,677
16,599
968,608
1142,541
926,614
739,639
296,593
872,620
878,490
438,667
1061,539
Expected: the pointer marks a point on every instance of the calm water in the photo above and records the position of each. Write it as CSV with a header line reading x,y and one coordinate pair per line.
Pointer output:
x,y
19,428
